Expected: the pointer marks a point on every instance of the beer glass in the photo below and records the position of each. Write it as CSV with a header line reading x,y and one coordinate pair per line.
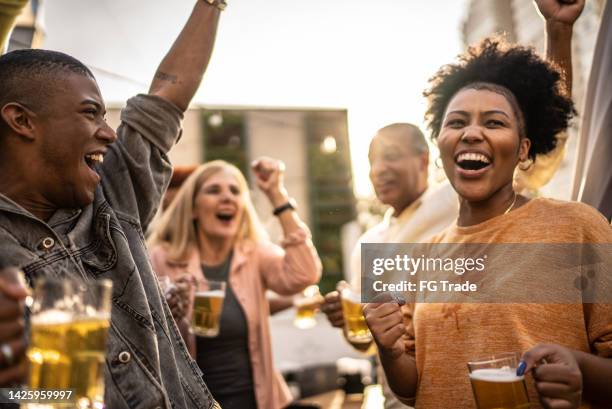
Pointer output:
x,y
306,304
69,327
495,383
207,307
357,331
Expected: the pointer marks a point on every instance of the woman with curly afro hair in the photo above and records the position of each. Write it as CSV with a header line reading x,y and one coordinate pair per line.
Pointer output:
x,y
498,107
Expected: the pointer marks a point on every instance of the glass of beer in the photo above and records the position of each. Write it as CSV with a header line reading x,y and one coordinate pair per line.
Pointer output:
x,y
357,331
207,307
69,328
306,305
495,383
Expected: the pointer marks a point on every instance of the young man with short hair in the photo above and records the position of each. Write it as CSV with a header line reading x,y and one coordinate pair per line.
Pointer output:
x,y
76,198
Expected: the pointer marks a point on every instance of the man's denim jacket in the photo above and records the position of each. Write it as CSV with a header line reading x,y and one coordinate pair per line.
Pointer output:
x,y
147,364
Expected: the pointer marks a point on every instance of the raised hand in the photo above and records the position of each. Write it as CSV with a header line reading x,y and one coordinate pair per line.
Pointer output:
x,y
560,11
12,342
557,375
180,73
269,178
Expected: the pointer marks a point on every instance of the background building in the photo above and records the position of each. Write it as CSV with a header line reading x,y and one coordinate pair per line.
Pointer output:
x,y
520,22
312,142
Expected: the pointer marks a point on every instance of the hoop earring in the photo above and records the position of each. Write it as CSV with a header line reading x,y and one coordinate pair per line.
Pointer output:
x,y
438,162
526,164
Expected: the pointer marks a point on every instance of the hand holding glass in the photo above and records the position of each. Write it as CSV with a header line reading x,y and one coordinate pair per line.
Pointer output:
x,y
495,383
307,303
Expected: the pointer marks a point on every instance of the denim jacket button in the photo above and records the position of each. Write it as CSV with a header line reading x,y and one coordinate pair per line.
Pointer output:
x,y
124,357
47,243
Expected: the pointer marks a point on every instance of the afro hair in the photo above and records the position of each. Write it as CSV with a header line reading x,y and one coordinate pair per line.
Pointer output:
x,y
538,86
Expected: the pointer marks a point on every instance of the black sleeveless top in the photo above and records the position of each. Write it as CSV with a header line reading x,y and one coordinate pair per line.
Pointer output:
x,y
225,360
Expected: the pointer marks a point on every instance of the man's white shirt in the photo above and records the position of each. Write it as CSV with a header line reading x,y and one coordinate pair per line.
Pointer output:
x,y
432,212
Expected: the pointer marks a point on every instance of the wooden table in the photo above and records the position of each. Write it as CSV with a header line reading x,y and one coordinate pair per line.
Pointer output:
x,y
337,399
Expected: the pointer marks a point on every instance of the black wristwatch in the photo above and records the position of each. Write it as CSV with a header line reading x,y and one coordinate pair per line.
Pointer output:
x,y
290,205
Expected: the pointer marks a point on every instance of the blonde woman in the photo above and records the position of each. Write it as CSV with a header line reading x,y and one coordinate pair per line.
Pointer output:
x,y
211,230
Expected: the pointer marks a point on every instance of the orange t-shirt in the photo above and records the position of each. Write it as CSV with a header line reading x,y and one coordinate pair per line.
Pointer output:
x,y
447,336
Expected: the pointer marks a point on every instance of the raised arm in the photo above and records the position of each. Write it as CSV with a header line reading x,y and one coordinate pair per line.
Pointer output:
x,y
136,169
9,10
560,16
269,176
290,271
179,75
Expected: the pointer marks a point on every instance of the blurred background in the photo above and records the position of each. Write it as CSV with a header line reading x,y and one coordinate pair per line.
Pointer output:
x,y
306,82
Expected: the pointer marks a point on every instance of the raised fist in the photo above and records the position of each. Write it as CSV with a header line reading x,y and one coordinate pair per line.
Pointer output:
x,y
560,11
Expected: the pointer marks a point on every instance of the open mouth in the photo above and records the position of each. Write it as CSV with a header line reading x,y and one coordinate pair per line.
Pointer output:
x,y
93,159
472,161
225,217
384,185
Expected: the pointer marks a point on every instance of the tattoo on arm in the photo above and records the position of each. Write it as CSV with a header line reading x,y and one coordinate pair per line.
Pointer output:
x,y
166,77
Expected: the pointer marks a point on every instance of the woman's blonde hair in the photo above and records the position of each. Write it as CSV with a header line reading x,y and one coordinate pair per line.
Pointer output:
x,y
177,229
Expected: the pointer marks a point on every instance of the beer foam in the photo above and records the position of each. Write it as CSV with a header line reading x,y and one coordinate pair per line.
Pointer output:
x,y
52,317
496,375
211,294
304,302
351,296
314,301
94,316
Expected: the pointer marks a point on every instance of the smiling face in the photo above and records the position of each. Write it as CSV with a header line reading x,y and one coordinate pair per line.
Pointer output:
x,y
71,139
397,172
219,206
479,143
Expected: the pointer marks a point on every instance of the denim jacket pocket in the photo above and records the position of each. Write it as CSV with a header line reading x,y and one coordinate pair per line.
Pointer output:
x,y
129,383
101,255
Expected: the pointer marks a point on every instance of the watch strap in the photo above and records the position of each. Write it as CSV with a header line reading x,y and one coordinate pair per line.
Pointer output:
x,y
280,209
220,4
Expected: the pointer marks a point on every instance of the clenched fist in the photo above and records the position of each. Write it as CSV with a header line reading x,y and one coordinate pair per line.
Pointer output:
x,y
386,323
269,174
332,307
560,11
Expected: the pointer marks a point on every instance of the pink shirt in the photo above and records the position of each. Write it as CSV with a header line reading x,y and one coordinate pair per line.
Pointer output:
x,y
256,268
